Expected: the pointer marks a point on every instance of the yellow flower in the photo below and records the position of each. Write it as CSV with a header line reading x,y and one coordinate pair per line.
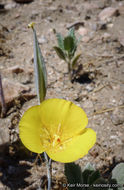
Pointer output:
x,y
57,127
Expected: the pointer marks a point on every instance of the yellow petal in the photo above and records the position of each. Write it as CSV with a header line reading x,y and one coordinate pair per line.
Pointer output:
x,y
63,117
74,149
45,127
30,127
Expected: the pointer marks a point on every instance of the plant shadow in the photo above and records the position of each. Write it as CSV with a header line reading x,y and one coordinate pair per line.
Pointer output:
x,y
83,79
107,169
14,167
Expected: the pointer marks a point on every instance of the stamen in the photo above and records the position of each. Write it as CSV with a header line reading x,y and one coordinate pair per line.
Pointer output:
x,y
59,126
67,140
56,140
62,145
46,131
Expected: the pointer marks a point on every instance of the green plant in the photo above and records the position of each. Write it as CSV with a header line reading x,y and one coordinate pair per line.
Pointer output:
x,y
54,126
90,179
66,50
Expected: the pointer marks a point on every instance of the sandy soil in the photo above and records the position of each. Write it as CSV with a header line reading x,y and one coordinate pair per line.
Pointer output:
x,y
99,88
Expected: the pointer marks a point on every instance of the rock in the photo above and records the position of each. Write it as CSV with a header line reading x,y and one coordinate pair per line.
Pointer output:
x,y
121,40
86,39
14,69
24,75
121,9
94,26
10,6
115,137
14,90
17,69
29,95
90,6
88,104
34,14
106,37
117,119
89,88
83,93
108,12
42,40
4,135
82,31
1,185
101,25
110,25
23,1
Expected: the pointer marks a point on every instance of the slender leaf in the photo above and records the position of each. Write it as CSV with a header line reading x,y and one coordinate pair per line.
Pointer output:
x,y
71,33
40,70
60,41
60,53
74,62
89,166
87,171
79,39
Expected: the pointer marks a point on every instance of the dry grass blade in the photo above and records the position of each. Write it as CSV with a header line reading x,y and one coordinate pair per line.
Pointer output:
x,y
106,110
100,88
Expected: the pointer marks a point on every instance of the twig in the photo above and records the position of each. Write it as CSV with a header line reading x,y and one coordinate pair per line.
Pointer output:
x,y
3,105
106,110
36,159
75,24
40,157
100,88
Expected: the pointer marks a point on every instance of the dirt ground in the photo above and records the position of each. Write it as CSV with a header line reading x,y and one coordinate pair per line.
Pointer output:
x,y
98,89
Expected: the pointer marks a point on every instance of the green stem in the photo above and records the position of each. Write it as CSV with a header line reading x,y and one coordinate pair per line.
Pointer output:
x,y
48,164
69,70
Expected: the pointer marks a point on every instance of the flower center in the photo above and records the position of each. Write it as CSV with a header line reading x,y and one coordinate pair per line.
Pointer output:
x,y
51,141
56,140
